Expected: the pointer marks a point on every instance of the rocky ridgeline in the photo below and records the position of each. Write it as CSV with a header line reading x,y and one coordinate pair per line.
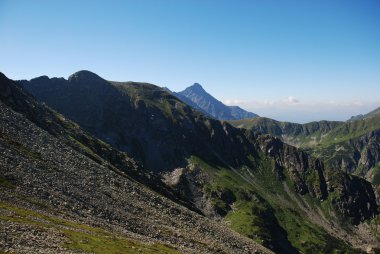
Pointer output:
x,y
359,155
353,197
91,190
352,146
151,125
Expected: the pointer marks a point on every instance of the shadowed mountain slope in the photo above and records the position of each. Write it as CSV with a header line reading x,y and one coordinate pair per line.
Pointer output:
x,y
142,119
264,189
60,194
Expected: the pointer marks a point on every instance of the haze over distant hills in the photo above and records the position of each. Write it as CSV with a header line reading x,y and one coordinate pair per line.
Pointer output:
x,y
196,97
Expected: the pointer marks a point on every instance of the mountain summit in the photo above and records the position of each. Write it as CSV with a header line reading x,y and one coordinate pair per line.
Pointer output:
x,y
198,98
84,75
196,87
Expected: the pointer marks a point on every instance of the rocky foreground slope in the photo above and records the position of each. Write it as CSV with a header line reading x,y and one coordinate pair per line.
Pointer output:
x,y
58,198
262,188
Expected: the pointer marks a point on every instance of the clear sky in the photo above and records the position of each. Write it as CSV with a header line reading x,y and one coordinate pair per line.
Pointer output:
x,y
293,60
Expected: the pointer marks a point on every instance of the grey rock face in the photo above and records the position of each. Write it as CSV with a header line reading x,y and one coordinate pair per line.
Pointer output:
x,y
198,98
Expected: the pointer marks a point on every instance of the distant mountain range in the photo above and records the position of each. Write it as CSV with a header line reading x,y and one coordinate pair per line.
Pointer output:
x,y
196,97
372,113
353,145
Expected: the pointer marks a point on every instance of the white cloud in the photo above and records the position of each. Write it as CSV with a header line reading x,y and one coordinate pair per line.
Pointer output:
x,y
287,101
233,102
291,100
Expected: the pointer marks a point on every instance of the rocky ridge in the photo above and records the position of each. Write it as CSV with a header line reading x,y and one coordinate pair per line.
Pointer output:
x,y
41,174
351,146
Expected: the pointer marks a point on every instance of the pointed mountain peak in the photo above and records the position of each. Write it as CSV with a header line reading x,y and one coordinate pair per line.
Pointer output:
x,y
198,98
196,86
84,75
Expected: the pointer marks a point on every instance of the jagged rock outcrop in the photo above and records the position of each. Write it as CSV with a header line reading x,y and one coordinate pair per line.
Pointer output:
x,y
352,196
359,155
306,172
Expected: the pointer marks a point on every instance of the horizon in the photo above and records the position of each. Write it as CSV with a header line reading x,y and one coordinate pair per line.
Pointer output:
x,y
296,61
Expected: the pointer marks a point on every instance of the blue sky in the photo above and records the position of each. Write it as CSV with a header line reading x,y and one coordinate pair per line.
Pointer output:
x,y
292,60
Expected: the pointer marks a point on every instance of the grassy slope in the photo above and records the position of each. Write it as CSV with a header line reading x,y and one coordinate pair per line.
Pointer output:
x,y
267,221
300,135
351,130
79,236
319,131
321,141
337,144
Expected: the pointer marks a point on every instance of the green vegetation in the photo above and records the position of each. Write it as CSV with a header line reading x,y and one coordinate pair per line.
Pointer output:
x,y
375,226
353,129
376,174
105,244
151,96
335,143
80,236
6,183
301,135
258,206
323,133
82,146
23,150
249,214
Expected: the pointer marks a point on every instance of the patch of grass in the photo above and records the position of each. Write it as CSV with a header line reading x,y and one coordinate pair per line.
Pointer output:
x,y
375,226
6,183
308,237
375,174
104,244
23,150
248,212
252,219
85,148
83,237
265,212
